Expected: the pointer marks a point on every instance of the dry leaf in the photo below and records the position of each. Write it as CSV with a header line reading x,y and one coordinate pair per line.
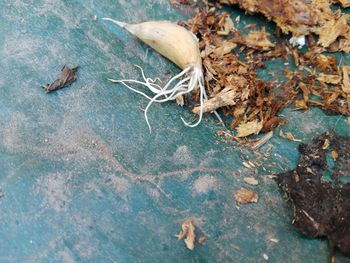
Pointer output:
x,y
262,140
244,196
67,77
249,128
346,80
304,18
259,40
250,180
331,79
225,47
228,27
188,232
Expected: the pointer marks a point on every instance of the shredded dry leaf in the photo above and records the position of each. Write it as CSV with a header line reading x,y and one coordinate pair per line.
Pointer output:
x,y
302,18
248,128
251,105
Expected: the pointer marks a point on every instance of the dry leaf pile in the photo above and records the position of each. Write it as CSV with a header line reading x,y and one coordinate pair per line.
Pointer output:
x,y
231,60
321,83
303,18
232,84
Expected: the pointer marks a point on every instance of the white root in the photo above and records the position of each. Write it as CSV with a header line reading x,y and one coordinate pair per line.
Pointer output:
x,y
192,78
179,46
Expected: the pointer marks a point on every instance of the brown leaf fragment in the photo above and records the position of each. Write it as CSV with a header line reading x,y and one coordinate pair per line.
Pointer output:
x,y
245,129
244,196
300,104
67,77
346,79
332,30
188,232
225,98
257,144
202,239
225,47
259,40
330,79
227,28
304,18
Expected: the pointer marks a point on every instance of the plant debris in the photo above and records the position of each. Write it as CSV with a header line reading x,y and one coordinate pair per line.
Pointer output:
x,y
235,247
231,60
188,231
244,196
303,18
260,142
202,239
250,180
288,136
319,195
67,77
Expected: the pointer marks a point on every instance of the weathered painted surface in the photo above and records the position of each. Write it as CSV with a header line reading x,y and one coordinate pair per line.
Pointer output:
x,y
84,181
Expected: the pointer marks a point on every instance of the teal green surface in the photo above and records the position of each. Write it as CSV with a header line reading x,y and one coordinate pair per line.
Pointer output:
x,y
84,181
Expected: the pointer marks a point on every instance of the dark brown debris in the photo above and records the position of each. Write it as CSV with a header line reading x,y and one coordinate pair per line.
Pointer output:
x,y
321,202
67,77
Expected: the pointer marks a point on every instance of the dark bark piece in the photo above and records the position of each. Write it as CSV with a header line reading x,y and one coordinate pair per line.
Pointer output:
x,y
321,205
67,77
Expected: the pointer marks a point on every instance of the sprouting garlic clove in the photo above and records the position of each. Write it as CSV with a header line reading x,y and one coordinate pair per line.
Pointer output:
x,y
169,39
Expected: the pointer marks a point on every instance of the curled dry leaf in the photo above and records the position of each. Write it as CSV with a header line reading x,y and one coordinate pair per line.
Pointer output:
x,y
67,77
244,196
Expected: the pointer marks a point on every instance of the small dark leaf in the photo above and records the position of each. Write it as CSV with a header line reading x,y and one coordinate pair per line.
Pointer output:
x,y
67,77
